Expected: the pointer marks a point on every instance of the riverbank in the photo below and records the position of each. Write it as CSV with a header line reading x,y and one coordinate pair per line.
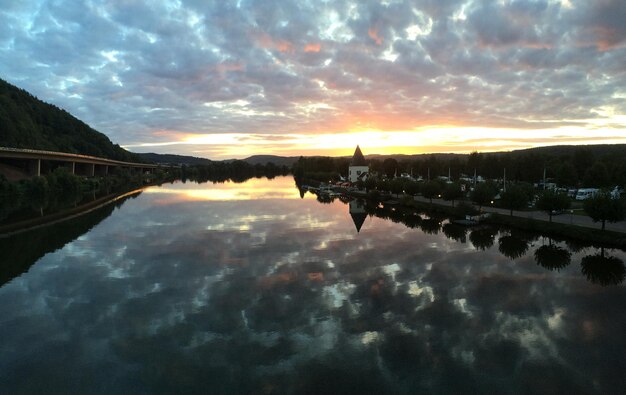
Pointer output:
x,y
575,227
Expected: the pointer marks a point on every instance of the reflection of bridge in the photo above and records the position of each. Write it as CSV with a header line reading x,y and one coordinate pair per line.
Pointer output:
x,y
17,164
25,242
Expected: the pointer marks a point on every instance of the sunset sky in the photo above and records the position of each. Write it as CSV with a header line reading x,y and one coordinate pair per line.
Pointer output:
x,y
228,79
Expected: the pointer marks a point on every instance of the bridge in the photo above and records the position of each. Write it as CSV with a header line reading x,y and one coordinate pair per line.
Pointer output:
x,y
17,164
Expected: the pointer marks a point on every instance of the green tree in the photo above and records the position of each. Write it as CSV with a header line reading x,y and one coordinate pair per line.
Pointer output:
x,y
396,186
430,190
514,198
370,183
552,202
602,207
383,185
411,187
7,188
452,192
482,194
36,187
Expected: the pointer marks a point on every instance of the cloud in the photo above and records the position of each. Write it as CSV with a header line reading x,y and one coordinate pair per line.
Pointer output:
x,y
131,68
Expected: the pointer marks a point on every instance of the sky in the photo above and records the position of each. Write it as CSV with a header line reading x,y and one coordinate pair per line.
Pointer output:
x,y
229,79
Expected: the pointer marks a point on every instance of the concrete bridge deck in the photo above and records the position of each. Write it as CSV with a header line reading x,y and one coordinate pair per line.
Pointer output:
x,y
16,164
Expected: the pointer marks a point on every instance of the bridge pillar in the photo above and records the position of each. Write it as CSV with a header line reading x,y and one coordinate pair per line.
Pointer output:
x,y
34,167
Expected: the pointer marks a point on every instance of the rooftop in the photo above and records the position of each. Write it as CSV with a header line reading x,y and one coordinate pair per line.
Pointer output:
x,y
358,159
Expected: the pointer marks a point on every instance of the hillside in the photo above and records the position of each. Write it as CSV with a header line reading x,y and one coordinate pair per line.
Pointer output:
x,y
171,159
27,122
277,160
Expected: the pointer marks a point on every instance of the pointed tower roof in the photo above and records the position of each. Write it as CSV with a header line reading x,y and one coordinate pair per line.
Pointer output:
x,y
358,219
358,159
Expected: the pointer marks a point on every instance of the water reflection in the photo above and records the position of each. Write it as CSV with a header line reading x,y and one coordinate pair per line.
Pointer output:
x,y
455,232
254,188
513,245
357,212
602,269
552,257
483,237
271,295
30,240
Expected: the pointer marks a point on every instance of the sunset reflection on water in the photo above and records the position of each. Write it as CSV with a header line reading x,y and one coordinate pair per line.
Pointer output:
x,y
253,189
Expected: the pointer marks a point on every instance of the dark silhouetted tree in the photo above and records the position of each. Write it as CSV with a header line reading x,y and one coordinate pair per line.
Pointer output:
x,y
602,207
411,187
514,198
551,202
452,192
430,190
482,194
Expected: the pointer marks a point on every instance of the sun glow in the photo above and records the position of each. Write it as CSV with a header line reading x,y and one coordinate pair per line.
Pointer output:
x,y
451,139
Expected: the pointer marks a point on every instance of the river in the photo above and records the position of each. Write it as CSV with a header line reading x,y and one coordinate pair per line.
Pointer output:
x,y
256,288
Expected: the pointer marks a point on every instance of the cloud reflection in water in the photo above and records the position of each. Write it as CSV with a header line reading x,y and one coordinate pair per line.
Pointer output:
x,y
264,294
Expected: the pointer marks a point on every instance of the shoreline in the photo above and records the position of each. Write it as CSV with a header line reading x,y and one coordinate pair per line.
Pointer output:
x,y
584,230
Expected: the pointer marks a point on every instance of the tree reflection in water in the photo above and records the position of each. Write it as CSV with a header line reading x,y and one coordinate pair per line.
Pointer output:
x,y
483,238
512,246
603,270
455,232
430,225
552,257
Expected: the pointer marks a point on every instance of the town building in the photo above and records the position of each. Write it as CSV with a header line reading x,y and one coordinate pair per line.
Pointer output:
x,y
358,169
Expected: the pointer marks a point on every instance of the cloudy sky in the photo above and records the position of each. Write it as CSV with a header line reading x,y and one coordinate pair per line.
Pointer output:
x,y
224,78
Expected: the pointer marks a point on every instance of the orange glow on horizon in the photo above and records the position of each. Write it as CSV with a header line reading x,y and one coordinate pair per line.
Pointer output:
x,y
431,139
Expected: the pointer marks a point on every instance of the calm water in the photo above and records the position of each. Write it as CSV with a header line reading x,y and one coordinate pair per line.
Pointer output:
x,y
249,288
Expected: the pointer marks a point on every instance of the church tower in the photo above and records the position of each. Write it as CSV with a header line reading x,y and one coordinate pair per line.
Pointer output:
x,y
358,169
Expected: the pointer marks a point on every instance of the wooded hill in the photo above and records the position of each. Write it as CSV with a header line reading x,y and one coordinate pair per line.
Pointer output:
x,y
171,159
27,122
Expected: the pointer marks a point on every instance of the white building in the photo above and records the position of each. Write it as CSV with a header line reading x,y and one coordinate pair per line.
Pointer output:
x,y
358,169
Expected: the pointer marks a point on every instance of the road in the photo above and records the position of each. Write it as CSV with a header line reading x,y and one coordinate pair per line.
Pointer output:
x,y
566,218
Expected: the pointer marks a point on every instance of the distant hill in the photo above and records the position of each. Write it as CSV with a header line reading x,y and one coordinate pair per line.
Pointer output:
x,y
170,159
277,160
27,122
596,150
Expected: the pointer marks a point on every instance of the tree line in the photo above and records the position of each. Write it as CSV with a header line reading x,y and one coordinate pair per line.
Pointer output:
x,y
599,166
